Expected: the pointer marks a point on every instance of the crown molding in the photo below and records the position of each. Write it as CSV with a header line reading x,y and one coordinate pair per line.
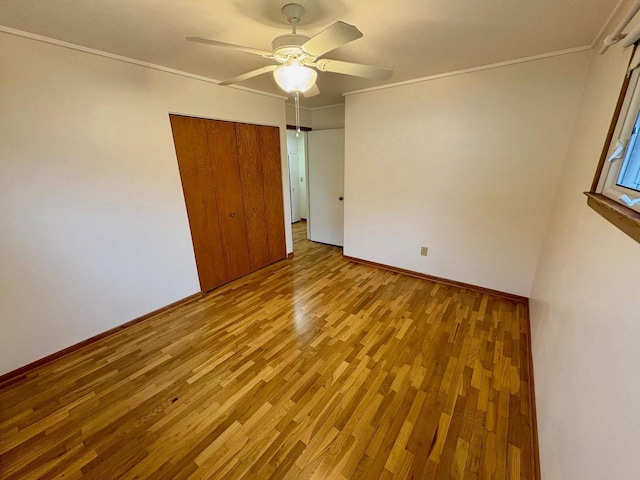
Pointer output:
x,y
133,61
293,105
328,106
153,66
473,69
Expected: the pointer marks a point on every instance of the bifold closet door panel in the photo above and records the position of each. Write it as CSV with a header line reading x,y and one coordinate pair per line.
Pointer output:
x,y
190,139
250,160
272,180
228,189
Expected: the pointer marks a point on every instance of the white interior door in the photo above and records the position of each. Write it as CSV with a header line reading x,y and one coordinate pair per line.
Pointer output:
x,y
325,181
294,182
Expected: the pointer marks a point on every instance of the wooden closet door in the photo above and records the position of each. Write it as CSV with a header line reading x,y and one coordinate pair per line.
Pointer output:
x,y
228,190
190,138
272,180
250,160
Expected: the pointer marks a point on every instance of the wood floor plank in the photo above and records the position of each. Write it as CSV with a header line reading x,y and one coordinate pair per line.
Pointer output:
x,y
313,367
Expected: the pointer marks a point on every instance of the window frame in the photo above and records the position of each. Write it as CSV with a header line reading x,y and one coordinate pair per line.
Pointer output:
x,y
623,136
604,195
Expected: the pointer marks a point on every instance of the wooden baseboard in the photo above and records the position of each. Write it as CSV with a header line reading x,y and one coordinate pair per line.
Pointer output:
x,y
532,403
290,255
19,373
445,281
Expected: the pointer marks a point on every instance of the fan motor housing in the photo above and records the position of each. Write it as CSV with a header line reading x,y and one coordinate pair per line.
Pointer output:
x,y
288,44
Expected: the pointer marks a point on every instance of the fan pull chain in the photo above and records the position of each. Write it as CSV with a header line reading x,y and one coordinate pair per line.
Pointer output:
x,y
297,114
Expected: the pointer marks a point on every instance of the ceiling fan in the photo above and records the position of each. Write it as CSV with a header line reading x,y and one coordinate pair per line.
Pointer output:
x,y
297,53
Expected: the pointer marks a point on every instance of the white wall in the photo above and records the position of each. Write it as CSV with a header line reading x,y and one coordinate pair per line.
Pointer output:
x,y
94,227
328,118
466,165
305,115
585,313
320,118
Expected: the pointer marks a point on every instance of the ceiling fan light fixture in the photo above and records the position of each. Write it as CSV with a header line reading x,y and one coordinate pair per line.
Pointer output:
x,y
295,78
295,53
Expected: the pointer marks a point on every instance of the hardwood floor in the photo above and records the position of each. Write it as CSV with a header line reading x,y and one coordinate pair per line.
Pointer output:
x,y
313,367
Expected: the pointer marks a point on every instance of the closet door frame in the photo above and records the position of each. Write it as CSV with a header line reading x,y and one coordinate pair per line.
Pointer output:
x,y
273,211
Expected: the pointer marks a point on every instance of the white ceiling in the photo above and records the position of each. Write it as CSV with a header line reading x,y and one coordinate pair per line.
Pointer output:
x,y
415,38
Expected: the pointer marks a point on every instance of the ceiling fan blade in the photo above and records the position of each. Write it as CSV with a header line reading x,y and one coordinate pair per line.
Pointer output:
x,y
356,69
248,75
312,92
332,37
216,43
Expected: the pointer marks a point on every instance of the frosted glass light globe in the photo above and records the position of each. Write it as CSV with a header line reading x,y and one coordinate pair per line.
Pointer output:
x,y
295,78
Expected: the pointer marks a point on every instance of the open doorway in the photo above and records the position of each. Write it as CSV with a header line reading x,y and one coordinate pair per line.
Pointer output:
x,y
297,157
316,182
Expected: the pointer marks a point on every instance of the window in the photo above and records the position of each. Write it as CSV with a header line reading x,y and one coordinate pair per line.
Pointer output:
x,y
630,169
615,193
620,176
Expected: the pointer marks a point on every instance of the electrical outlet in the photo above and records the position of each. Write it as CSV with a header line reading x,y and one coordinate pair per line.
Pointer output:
x,y
424,251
